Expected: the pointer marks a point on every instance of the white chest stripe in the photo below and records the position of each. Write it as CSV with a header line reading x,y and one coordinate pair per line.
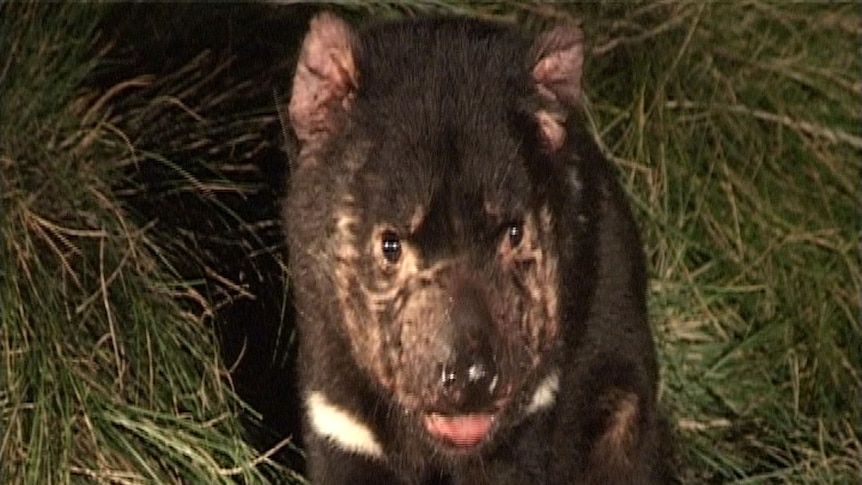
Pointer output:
x,y
546,393
351,434
341,427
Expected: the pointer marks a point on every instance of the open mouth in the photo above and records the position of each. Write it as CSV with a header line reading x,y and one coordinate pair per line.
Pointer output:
x,y
463,431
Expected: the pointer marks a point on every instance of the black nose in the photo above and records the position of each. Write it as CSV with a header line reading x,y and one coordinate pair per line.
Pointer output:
x,y
470,375
469,384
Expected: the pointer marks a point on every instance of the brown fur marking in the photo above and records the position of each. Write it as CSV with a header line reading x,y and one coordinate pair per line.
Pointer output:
x,y
393,311
616,443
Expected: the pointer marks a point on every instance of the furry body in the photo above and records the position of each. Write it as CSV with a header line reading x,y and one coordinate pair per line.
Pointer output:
x,y
469,281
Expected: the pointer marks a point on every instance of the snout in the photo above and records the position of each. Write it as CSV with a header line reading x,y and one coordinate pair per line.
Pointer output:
x,y
468,378
468,372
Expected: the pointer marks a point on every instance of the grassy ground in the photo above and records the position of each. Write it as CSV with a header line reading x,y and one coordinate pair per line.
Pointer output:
x,y
139,209
108,377
737,129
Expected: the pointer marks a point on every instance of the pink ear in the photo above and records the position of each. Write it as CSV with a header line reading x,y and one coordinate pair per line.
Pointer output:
x,y
325,80
558,60
558,57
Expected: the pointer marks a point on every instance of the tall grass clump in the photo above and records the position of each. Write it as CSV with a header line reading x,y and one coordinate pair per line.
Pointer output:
x,y
737,129
106,378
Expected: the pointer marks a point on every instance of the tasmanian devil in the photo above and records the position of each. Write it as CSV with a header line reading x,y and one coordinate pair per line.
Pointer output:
x,y
468,278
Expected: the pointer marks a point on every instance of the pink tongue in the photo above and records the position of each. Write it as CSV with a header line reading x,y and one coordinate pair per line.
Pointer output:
x,y
463,431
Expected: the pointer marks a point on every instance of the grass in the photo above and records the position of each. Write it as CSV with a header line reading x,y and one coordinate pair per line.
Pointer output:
x,y
735,128
737,132
107,376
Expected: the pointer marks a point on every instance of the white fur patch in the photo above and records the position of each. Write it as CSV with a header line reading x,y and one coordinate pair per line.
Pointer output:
x,y
340,427
546,393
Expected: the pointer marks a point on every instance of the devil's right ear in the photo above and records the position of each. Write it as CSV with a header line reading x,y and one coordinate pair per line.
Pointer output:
x,y
325,81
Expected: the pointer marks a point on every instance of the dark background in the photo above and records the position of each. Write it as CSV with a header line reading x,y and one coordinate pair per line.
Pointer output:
x,y
213,192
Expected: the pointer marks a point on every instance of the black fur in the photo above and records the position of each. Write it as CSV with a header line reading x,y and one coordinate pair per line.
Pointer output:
x,y
444,115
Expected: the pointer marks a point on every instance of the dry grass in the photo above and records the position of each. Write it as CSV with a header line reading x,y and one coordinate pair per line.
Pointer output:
x,y
107,377
736,127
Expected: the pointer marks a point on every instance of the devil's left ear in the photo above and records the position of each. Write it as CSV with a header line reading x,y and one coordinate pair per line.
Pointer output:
x,y
556,63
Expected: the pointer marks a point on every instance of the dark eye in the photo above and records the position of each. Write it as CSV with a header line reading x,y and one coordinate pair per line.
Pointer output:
x,y
515,233
390,245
